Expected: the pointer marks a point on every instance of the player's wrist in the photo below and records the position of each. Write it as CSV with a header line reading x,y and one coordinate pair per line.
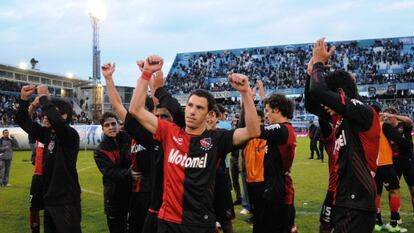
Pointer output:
x,y
146,75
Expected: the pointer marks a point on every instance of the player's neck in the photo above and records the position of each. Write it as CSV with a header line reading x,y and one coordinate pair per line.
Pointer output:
x,y
195,131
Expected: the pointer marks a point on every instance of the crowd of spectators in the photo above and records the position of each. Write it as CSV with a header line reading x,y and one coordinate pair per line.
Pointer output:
x,y
372,62
8,106
9,95
284,67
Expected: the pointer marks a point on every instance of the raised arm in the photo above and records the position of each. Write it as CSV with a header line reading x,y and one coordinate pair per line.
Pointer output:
x,y
404,119
353,109
68,136
107,71
23,118
252,129
137,106
165,98
311,105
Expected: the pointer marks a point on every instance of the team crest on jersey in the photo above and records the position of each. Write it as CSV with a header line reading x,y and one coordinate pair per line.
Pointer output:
x,y
356,102
51,146
137,148
206,143
178,140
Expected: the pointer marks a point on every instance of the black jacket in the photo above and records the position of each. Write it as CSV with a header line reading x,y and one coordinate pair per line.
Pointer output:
x,y
112,156
61,183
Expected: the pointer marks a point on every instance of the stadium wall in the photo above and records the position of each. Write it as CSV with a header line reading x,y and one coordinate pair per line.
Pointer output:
x,y
90,136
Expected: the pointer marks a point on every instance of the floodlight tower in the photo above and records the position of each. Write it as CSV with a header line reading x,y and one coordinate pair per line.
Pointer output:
x,y
96,53
97,93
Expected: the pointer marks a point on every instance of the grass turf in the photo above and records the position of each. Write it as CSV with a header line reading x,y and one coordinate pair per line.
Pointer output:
x,y
310,179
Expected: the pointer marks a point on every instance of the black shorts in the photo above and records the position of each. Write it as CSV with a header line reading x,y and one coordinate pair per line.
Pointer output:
x,y
326,211
138,209
169,227
352,220
223,202
387,177
151,223
36,193
276,218
405,167
63,219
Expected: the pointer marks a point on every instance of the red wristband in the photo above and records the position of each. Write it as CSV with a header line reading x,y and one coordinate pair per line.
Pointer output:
x,y
146,75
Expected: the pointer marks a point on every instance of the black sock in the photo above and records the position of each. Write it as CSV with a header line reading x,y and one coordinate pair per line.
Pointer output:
x,y
395,216
378,219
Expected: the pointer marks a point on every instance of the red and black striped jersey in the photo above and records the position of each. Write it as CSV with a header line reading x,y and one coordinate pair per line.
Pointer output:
x,y
357,152
189,173
279,155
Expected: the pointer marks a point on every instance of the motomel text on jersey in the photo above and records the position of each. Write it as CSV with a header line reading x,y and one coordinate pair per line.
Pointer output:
x,y
137,148
175,157
340,142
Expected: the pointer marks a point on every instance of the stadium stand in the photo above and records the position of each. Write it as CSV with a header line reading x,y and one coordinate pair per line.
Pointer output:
x,y
372,61
384,69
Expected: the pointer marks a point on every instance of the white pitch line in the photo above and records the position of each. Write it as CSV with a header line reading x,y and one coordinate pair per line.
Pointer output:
x,y
318,213
85,168
91,192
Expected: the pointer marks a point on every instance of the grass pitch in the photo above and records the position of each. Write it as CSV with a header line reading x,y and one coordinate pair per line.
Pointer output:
x,y
310,179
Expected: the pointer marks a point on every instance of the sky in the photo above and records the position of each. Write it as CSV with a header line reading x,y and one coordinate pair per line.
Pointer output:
x,y
58,33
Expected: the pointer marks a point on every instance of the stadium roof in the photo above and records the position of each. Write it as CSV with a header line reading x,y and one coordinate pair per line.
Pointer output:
x,y
75,81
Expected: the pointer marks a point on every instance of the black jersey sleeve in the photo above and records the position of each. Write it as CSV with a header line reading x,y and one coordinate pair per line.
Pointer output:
x,y
24,120
407,132
68,136
313,106
326,128
225,141
392,135
275,133
108,168
172,105
136,130
354,110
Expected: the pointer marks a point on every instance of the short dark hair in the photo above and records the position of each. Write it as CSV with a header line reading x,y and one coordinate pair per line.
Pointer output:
x,y
221,108
283,104
342,79
376,107
149,104
260,113
205,94
107,115
392,110
64,107
216,110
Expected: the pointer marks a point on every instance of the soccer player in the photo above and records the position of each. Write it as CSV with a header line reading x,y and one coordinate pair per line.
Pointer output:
x,y
112,156
145,152
403,148
223,202
357,132
386,175
278,213
326,123
61,191
253,154
36,187
191,154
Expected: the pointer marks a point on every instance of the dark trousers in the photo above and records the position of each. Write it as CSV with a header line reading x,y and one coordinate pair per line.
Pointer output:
x,y
255,190
353,221
5,165
276,218
235,171
138,209
63,219
117,223
151,223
